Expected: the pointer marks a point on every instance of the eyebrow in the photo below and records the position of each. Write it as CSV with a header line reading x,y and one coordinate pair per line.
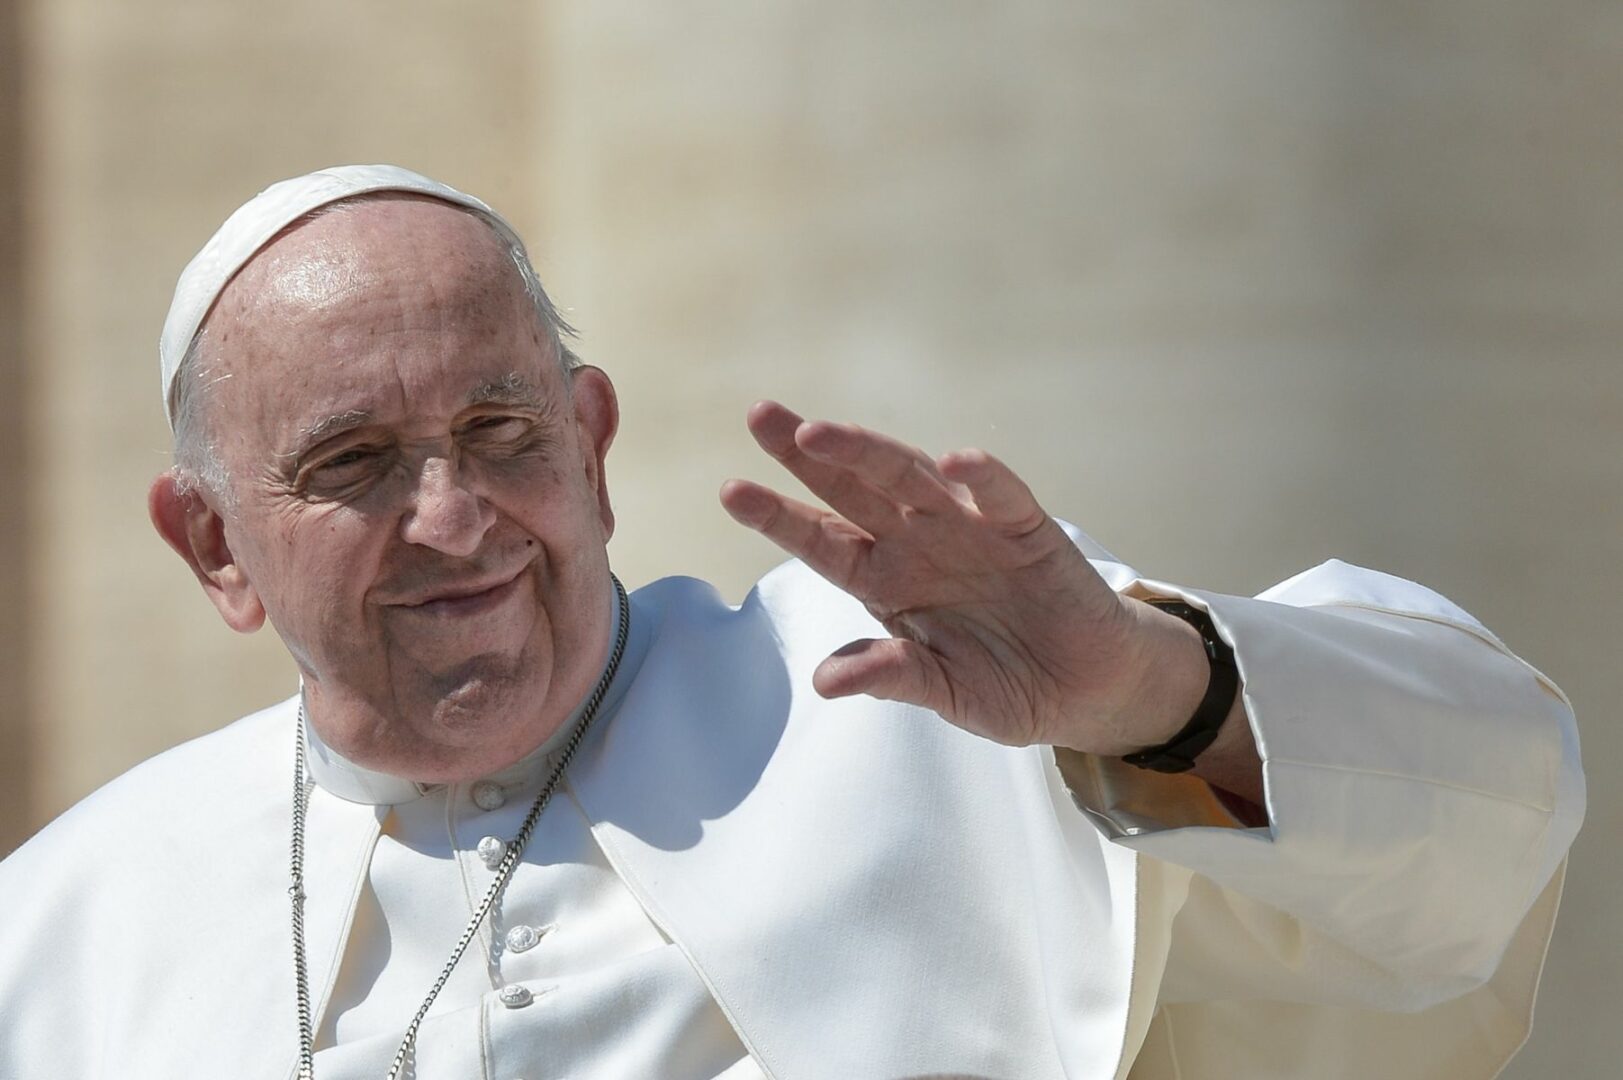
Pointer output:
x,y
326,428
513,390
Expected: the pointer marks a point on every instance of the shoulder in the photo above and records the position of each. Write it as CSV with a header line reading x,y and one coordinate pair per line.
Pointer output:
x,y
203,786
798,606
185,850
790,602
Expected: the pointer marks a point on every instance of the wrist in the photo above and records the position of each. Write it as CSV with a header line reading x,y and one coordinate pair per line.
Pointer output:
x,y
1209,722
1169,673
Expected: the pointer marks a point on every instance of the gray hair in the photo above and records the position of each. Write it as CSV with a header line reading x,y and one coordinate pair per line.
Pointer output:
x,y
197,461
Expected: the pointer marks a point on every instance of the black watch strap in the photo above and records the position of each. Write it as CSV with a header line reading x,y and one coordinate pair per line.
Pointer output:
x,y
1178,753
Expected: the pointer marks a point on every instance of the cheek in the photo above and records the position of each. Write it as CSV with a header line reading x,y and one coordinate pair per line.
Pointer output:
x,y
322,573
546,499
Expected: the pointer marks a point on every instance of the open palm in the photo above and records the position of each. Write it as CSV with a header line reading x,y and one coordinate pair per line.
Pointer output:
x,y
998,622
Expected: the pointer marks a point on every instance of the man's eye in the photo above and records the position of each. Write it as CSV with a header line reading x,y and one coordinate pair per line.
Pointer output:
x,y
497,427
349,459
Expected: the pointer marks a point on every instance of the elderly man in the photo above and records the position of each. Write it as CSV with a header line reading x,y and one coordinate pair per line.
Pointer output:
x,y
954,793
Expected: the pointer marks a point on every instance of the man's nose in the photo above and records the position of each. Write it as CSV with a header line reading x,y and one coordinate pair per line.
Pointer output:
x,y
445,514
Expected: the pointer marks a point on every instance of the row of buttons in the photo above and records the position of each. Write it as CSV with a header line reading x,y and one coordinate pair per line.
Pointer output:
x,y
520,938
488,795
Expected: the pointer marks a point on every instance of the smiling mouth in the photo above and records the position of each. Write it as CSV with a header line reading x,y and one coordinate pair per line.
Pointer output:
x,y
475,603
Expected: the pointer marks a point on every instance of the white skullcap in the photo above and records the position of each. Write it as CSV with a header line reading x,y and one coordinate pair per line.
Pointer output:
x,y
253,224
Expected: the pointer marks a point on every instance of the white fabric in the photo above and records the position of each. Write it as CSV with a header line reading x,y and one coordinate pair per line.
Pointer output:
x,y
255,223
612,996
866,891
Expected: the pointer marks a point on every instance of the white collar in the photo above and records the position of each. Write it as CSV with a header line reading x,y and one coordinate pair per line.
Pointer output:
x,y
356,783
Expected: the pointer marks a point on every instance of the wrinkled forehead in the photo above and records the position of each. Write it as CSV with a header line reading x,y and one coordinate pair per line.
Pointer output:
x,y
396,309
266,216
346,248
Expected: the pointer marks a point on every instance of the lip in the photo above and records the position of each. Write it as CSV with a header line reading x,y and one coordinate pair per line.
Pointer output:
x,y
475,598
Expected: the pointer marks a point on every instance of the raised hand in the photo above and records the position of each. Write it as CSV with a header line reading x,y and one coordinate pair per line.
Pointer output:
x,y
999,623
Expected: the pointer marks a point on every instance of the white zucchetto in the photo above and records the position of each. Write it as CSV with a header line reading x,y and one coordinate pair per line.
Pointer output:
x,y
256,221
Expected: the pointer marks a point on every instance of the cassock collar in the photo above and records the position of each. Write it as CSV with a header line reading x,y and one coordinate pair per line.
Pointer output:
x,y
339,776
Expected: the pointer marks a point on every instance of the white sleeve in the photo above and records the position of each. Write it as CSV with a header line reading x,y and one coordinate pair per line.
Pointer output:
x,y
1422,787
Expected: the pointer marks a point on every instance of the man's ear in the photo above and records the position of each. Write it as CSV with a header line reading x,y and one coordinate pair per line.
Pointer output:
x,y
197,533
597,414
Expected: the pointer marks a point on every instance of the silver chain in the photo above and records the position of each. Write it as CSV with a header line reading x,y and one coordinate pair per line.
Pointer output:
x,y
504,870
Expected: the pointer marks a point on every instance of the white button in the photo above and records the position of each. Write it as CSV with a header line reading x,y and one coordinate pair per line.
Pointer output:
x,y
491,849
488,795
522,938
515,996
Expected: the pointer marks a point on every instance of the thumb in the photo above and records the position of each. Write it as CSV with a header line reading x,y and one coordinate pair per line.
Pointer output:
x,y
892,669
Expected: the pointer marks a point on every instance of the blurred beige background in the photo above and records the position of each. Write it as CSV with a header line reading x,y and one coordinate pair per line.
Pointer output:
x,y
1238,287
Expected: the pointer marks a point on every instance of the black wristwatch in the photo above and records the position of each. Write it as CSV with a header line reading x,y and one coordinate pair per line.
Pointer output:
x,y
1178,754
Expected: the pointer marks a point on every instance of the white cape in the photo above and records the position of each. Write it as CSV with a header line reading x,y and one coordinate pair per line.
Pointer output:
x,y
870,892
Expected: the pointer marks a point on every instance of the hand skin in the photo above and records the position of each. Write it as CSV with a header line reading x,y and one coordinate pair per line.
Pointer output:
x,y
998,622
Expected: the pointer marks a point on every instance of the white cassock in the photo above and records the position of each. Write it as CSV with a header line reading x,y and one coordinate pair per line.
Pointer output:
x,y
740,879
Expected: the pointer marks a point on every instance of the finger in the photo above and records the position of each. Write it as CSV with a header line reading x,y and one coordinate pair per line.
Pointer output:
x,y
826,542
902,472
893,669
774,428
1000,495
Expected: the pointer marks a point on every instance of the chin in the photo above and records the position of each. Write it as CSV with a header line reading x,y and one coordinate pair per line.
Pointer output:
x,y
486,699
473,703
